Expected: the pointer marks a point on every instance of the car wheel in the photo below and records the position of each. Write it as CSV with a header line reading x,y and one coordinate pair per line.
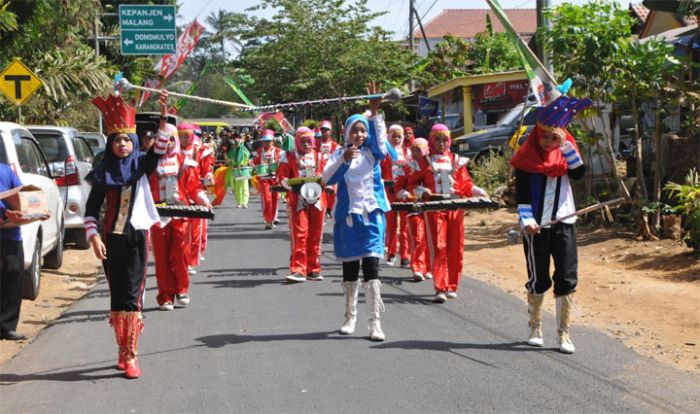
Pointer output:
x,y
32,277
54,259
80,239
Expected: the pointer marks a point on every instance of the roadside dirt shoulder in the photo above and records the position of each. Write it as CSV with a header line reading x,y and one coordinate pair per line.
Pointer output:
x,y
59,289
645,294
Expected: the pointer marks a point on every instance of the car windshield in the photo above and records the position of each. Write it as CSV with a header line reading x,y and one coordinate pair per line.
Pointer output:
x,y
511,116
53,145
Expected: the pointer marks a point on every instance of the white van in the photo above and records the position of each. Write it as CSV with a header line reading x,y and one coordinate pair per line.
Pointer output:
x,y
41,239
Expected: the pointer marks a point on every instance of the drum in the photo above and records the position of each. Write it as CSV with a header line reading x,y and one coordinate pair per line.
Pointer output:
x,y
273,167
243,173
262,169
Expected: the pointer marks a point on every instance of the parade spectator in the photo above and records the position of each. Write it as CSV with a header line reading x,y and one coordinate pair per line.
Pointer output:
x,y
11,260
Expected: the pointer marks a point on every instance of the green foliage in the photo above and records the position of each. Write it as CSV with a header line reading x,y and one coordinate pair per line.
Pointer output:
x,y
453,57
274,125
51,43
321,48
493,172
688,203
585,42
8,20
310,123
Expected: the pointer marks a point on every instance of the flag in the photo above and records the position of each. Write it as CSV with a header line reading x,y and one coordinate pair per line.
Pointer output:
x,y
542,82
236,89
170,63
182,101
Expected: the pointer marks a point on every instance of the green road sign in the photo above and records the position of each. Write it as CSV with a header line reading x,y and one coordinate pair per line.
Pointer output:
x,y
147,30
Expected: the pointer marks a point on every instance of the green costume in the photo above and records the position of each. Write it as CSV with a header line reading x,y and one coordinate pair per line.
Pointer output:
x,y
238,156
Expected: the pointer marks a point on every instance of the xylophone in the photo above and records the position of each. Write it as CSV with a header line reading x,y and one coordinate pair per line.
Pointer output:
x,y
418,207
176,210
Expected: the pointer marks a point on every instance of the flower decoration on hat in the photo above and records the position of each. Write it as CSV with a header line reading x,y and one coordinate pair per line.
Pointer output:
x,y
119,116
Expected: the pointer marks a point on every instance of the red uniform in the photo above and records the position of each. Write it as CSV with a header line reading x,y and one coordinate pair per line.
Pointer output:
x,y
191,153
207,159
268,198
305,221
444,174
326,148
171,240
420,260
393,170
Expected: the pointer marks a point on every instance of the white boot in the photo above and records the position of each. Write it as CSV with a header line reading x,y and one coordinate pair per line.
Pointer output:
x,y
564,305
376,305
534,309
351,290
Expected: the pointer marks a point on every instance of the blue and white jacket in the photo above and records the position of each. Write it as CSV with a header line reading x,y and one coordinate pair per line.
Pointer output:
x,y
360,186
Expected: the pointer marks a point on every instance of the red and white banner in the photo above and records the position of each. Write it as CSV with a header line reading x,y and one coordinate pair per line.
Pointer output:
x,y
170,63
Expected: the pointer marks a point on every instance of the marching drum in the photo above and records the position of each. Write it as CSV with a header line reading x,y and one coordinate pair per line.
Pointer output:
x,y
262,169
242,173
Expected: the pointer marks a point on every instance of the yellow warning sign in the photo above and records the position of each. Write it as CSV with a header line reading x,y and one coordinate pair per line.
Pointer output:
x,y
18,83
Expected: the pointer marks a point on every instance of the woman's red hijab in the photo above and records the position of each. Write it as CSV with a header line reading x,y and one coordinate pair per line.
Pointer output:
x,y
532,158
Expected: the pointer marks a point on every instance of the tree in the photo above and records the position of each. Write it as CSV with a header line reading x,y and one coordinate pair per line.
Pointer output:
x,y
584,42
493,52
50,44
321,48
643,71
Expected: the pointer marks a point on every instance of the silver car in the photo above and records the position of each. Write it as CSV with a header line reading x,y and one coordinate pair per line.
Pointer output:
x,y
96,140
70,159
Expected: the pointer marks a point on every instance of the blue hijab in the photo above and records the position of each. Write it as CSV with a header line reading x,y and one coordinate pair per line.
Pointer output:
x,y
113,171
361,118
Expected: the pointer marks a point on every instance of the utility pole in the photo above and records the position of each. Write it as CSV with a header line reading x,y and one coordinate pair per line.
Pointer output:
x,y
543,6
97,56
410,37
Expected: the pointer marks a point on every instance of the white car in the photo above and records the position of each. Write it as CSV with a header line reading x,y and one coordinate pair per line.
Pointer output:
x,y
70,160
41,239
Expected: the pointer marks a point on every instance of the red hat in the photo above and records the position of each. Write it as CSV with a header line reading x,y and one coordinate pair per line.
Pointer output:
x,y
119,116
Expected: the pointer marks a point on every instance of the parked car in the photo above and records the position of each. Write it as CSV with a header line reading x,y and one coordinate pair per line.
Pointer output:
x,y
42,239
479,145
96,140
70,160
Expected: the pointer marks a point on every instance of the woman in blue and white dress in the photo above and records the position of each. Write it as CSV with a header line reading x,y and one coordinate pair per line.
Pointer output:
x,y
358,232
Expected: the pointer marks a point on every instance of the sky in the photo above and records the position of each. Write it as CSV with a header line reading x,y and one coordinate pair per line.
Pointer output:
x,y
396,20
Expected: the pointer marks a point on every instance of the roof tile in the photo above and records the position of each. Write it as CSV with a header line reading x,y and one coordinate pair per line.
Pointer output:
x,y
466,23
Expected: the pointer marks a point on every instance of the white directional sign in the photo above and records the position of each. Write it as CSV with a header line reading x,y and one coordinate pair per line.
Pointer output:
x,y
147,30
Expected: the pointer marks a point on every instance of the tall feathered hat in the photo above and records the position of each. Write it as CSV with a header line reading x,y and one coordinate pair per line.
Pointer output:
x,y
561,111
119,116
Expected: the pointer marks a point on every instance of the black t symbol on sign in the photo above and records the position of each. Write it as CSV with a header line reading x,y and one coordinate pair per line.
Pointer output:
x,y
18,79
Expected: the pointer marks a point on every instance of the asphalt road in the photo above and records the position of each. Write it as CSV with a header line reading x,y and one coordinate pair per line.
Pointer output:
x,y
249,343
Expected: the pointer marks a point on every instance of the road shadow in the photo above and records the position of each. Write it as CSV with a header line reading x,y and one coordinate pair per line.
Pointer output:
x,y
389,298
85,374
454,347
238,283
258,235
219,341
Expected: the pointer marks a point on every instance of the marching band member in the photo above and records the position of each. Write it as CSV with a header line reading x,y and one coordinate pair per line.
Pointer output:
x,y
175,181
397,235
207,159
305,215
359,228
189,148
545,164
120,183
268,155
444,174
238,156
420,264
327,146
